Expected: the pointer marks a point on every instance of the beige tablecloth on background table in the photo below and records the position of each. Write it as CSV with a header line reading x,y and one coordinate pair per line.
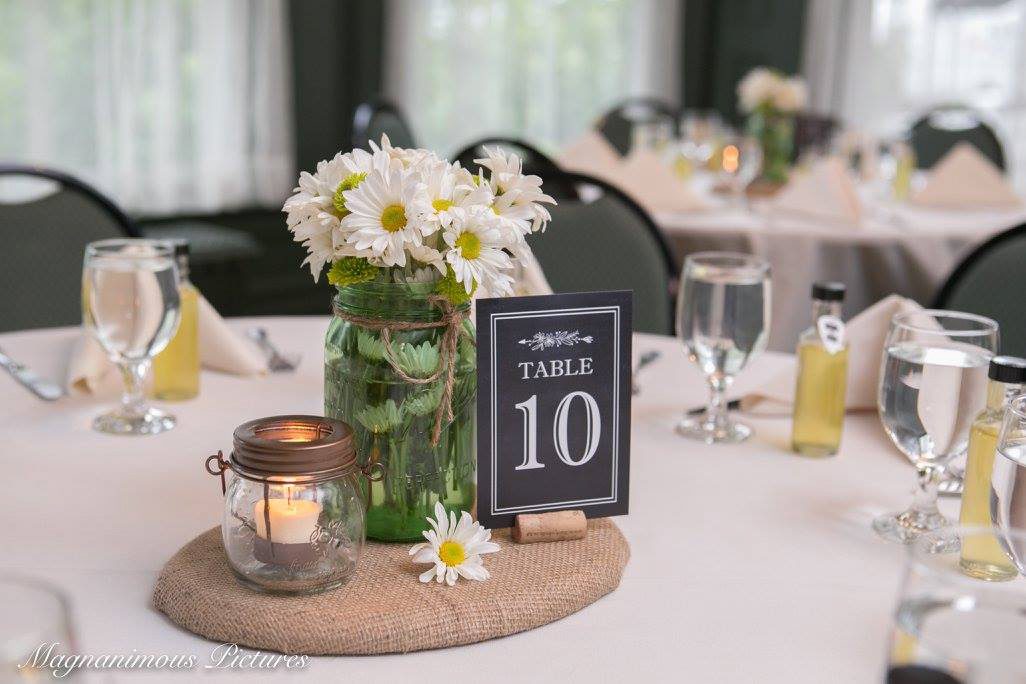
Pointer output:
x,y
748,563
898,249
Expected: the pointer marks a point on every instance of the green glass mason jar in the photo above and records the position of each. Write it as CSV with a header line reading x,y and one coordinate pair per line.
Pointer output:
x,y
775,132
394,418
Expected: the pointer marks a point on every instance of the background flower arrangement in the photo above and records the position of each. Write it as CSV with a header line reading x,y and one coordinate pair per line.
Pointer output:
x,y
770,101
408,239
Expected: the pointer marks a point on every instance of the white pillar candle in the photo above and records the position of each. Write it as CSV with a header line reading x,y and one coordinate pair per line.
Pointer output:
x,y
293,521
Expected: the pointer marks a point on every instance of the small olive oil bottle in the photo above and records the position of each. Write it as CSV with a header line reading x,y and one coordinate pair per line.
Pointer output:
x,y
982,556
176,370
822,376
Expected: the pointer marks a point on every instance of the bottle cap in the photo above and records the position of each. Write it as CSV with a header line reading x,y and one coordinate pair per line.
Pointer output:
x,y
1009,369
828,291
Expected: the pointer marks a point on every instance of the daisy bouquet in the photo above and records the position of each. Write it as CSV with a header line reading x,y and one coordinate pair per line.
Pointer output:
x,y
408,239
395,215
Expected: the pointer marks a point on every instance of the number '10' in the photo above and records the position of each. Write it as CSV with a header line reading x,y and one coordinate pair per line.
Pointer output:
x,y
559,430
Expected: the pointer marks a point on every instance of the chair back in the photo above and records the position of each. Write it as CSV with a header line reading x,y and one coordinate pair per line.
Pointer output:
x,y
944,127
534,162
990,282
375,117
46,220
605,241
617,125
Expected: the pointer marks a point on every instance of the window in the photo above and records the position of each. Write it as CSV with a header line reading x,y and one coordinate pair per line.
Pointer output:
x,y
542,70
165,105
905,56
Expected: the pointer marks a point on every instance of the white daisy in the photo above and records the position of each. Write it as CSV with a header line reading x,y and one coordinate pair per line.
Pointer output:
x,y
454,548
408,158
384,217
314,211
449,191
517,198
475,253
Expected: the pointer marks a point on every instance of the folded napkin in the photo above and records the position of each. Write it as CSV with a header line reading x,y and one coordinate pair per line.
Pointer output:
x,y
592,154
221,349
866,334
965,179
652,183
824,192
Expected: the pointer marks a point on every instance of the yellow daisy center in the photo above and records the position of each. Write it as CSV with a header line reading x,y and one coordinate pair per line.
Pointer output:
x,y
393,218
441,204
348,183
452,553
494,210
470,245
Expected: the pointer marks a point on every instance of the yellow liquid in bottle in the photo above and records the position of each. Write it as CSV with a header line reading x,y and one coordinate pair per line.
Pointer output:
x,y
982,555
176,370
819,400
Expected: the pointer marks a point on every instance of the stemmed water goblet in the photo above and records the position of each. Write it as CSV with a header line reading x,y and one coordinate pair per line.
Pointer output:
x,y
723,318
130,303
933,381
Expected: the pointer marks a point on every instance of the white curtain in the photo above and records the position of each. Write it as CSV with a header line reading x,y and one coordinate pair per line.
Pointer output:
x,y
879,64
542,70
165,105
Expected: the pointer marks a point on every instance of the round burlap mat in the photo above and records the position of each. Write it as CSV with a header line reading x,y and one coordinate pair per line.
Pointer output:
x,y
384,608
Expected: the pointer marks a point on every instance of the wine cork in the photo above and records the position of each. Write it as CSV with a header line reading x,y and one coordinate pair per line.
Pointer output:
x,y
544,527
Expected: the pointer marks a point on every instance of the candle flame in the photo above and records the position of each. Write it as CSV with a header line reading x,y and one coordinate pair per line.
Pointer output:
x,y
731,158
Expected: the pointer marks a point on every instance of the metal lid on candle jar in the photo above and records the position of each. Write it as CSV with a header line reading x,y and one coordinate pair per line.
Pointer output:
x,y
294,449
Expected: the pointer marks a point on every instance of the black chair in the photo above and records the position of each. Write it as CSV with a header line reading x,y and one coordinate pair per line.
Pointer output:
x,y
606,241
617,125
944,127
812,132
46,219
534,162
991,282
377,116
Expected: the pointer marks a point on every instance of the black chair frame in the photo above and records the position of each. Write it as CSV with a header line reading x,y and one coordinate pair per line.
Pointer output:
x,y
364,114
924,120
543,162
657,105
567,178
127,225
949,286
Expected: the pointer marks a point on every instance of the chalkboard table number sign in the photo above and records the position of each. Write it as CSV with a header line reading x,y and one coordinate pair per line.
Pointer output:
x,y
553,407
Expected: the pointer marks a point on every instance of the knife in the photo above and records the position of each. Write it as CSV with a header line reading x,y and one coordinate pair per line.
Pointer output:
x,y
44,389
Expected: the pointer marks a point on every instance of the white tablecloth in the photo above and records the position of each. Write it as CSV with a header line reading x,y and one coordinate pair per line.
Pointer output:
x,y
899,249
749,564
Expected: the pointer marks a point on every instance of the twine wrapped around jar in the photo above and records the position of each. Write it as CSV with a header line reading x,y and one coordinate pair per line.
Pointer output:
x,y
451,320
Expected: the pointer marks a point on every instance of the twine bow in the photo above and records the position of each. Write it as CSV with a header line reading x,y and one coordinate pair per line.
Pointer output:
x,y
452,320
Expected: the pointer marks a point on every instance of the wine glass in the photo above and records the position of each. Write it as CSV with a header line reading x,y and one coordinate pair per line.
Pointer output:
x,y
740,164
35,615
130,303
933,382
953,627
723,318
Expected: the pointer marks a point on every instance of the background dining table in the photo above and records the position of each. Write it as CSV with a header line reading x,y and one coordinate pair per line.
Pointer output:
x,y
748,562
897,248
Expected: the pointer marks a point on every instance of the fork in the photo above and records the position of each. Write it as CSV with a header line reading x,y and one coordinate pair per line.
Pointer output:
x,y
276,361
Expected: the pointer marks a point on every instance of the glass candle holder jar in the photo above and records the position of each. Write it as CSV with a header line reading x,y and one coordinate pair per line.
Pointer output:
x,y
293,510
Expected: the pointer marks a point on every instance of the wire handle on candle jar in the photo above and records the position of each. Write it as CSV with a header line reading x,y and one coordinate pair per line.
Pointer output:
x,y
220,465
373,471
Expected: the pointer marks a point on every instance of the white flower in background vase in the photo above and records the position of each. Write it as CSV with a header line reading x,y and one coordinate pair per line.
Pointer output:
x,y
516,199
454,548
384,217
475,253
758,86
791,95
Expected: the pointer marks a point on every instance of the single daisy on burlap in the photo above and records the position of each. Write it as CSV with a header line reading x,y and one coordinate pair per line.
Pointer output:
x,y
454,548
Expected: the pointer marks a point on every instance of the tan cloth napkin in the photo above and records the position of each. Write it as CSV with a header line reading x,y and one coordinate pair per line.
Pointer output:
x,y
592,154
221,349
652,183
824,192
965,179
866,334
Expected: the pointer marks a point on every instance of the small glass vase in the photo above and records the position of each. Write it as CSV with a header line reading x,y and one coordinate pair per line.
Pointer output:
x,y
775,132
394,418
